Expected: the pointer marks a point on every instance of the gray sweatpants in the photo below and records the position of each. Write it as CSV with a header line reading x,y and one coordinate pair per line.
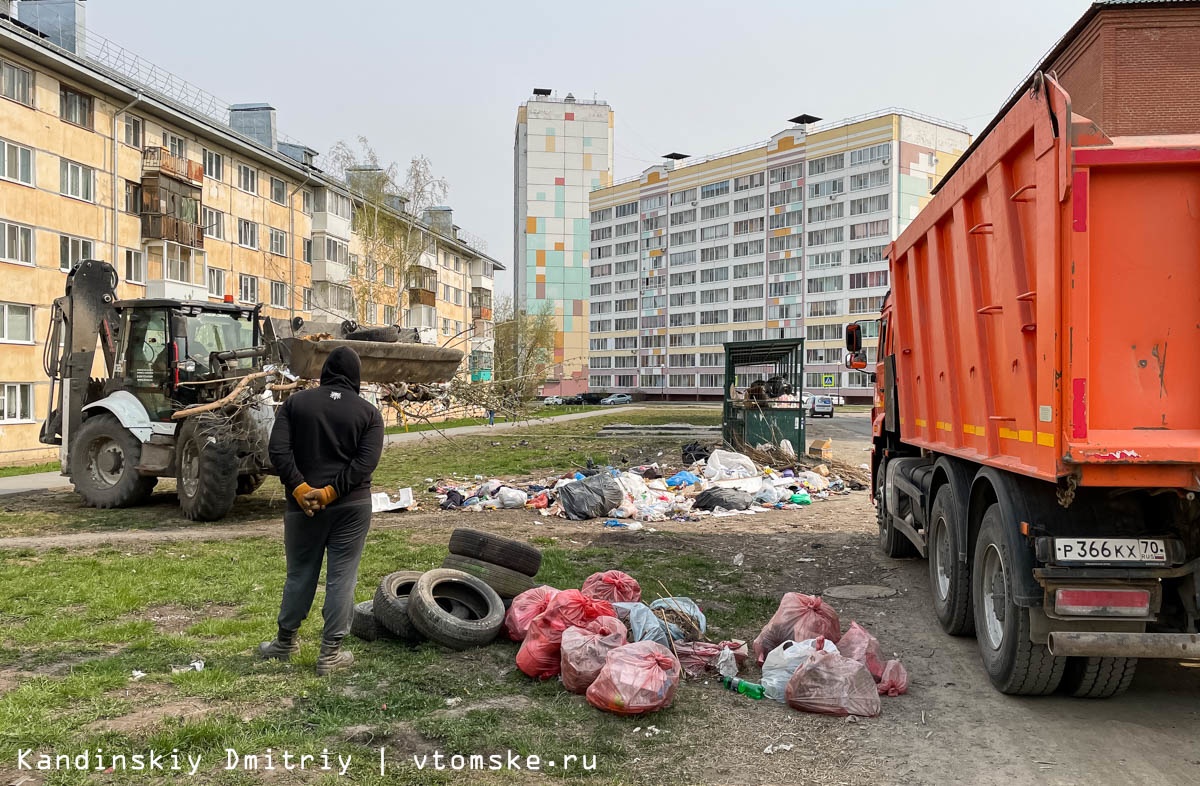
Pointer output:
x,y
341,532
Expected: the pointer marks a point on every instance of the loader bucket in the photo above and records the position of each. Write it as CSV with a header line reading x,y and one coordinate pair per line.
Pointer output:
x,y
381,361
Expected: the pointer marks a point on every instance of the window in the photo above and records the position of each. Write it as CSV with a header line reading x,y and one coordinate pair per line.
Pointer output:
x,y
824,308
870,330
651,224
869,229
715,232
602,289
714,274
749,226
714,296
656,301
867,255
683,320
683,197
746,204
819,166
626,247
247,233
787,196
682,380
601,307
880,177
875,278
133,131
16,402
823,237
133,197
714,338
714,317
180,264
332,202
175,145
599,380
625,323
600,271
825,188
16,243
654,202
711,359
683,339
870,154
871,204
654,242
77,180
135,267
713,190
214,165
748,292
308,250
683,279
621,230
603,233
626,380
626,362
625,305
216,282
748,182
71,250
714,253
16,163
600,252
683,299
598,344
654,322
650,380
16,83
247,289
601,215
628,209
278,191
601,325
278,242
823,332
828,212
748,248
714,211
247,178
17,323
784,288
214,223
389,275
683,238
75,108
684,258
712,380
279,294
786,242
825,259
748,335
628,266
683,217
825,284
626,342
307,299
785,311
866,305
784,174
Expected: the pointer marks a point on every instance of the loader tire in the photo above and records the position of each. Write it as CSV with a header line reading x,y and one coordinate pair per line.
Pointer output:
x,y
507,583
391,604
206,471
248,484
1098,678
507,553
103,464
485,610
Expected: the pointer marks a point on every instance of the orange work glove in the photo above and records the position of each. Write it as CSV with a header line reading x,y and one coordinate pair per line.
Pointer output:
x,y
322,497
300,493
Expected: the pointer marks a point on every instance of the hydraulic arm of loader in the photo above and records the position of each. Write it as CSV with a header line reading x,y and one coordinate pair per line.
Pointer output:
x,y
84,316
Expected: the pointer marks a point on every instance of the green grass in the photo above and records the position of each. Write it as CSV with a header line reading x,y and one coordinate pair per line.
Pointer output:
x,y
76,625
29,469
536,412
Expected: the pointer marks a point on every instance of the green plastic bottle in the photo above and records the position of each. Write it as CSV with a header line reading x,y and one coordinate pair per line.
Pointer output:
x,y
751,689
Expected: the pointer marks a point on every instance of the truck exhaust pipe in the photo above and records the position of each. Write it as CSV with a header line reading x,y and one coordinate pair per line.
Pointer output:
x,y
1124,645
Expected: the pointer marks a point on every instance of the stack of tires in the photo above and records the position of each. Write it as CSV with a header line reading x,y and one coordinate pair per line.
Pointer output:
x,y
460,605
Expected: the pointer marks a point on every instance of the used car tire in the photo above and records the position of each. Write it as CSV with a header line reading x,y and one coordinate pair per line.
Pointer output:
x,y
505,552
507,583
104,457
486,609
391,605
363,624
386,335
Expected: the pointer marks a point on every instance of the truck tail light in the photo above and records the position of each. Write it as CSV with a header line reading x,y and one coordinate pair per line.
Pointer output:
x,y
1102,602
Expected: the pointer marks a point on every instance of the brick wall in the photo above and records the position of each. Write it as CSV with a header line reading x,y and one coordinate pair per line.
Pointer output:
x,y
1136,71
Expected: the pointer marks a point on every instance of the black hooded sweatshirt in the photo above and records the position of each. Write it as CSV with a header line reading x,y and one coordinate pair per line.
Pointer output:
x,y
329,436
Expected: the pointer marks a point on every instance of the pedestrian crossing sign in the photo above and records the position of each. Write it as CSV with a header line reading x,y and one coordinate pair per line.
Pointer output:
x,y
827,380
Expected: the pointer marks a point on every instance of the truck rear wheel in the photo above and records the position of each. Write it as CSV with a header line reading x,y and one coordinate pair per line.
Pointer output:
x,y
949,577
206,471
103,464
1014,664
893,544
1098,678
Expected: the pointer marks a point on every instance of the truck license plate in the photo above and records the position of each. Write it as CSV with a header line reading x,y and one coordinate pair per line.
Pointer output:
x,y
1109,550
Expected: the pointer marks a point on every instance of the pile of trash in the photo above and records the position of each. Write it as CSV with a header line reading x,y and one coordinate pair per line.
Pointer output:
x,y
715,483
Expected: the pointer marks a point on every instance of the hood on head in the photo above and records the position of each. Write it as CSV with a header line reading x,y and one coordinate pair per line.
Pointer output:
x,y
343,368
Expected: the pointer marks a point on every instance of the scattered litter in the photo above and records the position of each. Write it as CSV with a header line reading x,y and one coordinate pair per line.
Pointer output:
x,y
137,675
738,559
381,502
453,702
196,665
783,746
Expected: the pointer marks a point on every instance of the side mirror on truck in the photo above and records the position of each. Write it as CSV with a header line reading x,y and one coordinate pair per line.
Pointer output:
x,y
856,360
853,338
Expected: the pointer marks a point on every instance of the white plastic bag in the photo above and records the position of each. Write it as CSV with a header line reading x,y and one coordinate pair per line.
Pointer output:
x,y
767,495
782,662
512,498
727,464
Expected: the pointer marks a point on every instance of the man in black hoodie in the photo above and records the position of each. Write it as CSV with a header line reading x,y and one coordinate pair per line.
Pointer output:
x,y
325,445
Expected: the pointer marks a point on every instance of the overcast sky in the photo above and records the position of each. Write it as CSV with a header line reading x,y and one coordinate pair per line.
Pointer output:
x,y
444,79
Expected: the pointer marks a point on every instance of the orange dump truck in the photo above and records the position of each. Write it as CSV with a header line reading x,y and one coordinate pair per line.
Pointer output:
x,y
1037,405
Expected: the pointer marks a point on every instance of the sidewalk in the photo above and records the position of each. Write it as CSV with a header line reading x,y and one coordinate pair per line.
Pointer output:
x,y
47,481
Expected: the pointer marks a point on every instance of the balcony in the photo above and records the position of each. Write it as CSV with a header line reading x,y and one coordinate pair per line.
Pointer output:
x,y
159,227
481,304
159,159
422,286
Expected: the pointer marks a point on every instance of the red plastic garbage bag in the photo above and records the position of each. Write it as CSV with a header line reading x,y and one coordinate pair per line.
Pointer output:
x,y
833,685
613,586
639,677
524,610
584,651
895,679
540,655
861,646
697,657
799,617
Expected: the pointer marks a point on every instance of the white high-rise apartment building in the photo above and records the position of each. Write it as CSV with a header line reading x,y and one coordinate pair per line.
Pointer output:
x,y
785,239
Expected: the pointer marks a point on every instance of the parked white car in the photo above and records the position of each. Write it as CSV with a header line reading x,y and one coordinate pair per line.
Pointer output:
x,y
552,400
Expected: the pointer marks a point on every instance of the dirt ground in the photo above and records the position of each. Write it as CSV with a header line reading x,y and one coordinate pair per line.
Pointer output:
x,y
952,727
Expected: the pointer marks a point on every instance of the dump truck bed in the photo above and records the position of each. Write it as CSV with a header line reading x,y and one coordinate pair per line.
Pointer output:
x,y
1047,303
